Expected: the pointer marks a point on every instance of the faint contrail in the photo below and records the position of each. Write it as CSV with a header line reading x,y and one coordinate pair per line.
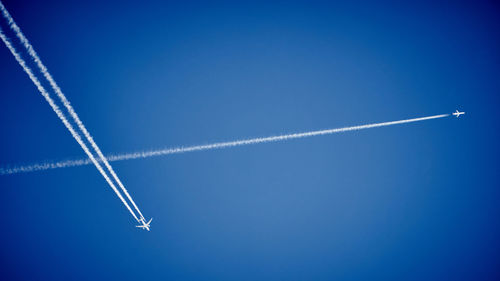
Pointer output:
x,y
61,116
160,152
64,100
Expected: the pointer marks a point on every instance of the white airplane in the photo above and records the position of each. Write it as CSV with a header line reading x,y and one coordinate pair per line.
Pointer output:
x,y
457,113
144,225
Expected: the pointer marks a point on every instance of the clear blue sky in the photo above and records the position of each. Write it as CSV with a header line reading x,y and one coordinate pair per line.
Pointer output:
x,y
410,202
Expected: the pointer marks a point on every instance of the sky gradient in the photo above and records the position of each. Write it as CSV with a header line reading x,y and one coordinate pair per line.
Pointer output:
x,y
410,202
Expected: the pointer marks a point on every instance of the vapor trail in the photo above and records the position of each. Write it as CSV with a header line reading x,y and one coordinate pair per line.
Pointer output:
x,y
61,116
177,150
64,100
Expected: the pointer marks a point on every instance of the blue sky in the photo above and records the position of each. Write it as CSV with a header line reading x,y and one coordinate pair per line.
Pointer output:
x,y
409,202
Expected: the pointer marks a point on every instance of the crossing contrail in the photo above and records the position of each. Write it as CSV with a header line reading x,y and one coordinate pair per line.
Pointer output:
x,y
64,100
218,145
61,116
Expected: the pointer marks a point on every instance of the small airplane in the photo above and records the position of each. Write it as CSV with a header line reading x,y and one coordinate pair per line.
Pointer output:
x,y
144,225
457,113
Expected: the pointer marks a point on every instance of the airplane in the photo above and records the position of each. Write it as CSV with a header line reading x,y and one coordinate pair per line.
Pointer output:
x,y
145,225
457,113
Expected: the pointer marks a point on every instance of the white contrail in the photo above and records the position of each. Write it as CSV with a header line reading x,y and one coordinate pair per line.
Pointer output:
x,y
64,100
167,151
61,116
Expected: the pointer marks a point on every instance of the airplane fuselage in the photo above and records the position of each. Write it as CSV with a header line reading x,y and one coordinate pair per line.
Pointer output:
x,y
144,225
457,113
